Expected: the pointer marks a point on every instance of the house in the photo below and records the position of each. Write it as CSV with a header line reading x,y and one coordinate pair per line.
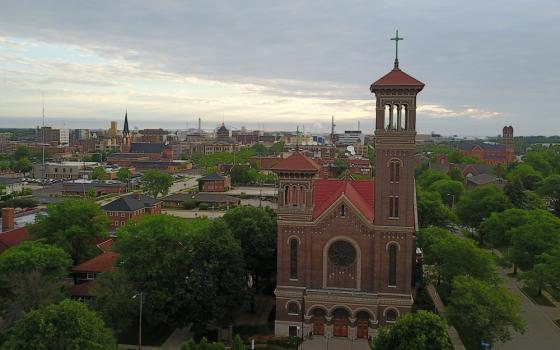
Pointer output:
x,y
131,207
82,187
85,275
215,183
214,200
475,181
11,236
360,166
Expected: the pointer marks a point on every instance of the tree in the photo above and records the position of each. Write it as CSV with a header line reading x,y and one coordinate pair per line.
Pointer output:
x,y
428,177
68,325
528,176
114,301
99,173
420,331
431,210
156,183
23,165
73,225
451,256
496,228
536,278
124,174
516,193
550,188
481,311
237,343
240,174
476,205
21,152
189,204
450,191
255,228
190,271
541,234
456,174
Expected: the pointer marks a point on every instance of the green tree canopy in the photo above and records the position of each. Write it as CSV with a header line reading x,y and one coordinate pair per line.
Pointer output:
x,y
451,256
99,173
124,174
22,151
476,205
419,331
156,182
450,191
68,325
23,165
255,228
456,174
550,188
189,271
428,177
74,226
482,311
496,228
528,176
431,210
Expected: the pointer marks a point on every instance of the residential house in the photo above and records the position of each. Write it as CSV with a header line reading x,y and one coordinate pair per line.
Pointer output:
x,y
131,207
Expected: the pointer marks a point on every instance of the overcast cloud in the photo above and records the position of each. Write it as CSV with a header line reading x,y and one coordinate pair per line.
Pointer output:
x,y
485,63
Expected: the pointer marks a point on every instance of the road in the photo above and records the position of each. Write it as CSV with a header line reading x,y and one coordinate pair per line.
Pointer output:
x,y
541,332
193,214
254,191
183,184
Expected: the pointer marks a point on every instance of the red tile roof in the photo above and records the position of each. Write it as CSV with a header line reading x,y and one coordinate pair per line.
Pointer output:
x,y
106,244
101,263
359,193
397,77
297,162
14,237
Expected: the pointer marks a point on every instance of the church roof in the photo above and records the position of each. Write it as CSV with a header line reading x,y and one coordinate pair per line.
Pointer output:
x,y
397,77
297,162
359,193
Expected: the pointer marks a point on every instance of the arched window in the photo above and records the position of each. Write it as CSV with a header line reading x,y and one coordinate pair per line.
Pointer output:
x,y
393,265
286,192
294,196
394,171
302,195
293,308
343,210
293,259
391,315
388,116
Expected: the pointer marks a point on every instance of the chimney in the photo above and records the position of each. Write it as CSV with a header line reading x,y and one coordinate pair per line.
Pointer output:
x,y
8,219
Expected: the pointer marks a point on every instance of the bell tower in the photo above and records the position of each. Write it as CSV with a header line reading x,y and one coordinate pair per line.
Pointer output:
x,y
395,146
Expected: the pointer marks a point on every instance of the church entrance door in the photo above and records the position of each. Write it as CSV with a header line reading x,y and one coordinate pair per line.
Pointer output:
x,y
318,325
362,331
340,326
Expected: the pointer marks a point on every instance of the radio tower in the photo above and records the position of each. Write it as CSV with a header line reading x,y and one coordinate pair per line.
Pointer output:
x,y
43,147
332,129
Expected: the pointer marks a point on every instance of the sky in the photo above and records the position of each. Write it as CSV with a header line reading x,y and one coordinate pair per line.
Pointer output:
x,y
274,65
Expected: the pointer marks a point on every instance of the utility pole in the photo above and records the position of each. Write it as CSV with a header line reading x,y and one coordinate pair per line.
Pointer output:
x,y
43,148
140,322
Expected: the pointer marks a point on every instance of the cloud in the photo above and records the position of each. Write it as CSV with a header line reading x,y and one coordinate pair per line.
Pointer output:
x,y
439,111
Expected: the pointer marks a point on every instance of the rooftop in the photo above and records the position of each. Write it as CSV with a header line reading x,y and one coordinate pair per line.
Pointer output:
x,y
359,193
102,263
297,162
397,77
131,202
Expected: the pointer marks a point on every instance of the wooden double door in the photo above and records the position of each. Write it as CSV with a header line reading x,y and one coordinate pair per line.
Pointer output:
x,y
340,326
362,329
318,325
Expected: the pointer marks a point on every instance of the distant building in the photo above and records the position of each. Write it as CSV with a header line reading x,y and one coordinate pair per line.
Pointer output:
x,y
64,136
10,234
214,200
489,153
222,134
475,181
215,183
83,187
131,207
62,170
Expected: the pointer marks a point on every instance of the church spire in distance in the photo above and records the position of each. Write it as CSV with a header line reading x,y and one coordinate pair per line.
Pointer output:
x,y
396,39
126,131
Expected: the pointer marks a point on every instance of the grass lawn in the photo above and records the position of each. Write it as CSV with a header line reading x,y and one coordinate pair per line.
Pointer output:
x,y
554,292
537,299
150,337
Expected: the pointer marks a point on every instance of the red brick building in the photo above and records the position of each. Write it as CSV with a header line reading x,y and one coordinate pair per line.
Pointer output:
x,y
10,235
492,154
131,207
346,249
215,183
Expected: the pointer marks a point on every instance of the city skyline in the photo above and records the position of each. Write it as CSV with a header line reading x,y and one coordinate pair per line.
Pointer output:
x,y
279,65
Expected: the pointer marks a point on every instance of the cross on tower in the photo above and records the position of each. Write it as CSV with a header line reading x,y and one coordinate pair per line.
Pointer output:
x,y
396,38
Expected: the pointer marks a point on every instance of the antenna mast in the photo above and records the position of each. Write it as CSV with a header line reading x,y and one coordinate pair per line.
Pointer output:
x,y
43,148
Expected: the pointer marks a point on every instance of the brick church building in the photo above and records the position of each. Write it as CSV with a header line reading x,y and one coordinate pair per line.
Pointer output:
x,y
346,248
490,153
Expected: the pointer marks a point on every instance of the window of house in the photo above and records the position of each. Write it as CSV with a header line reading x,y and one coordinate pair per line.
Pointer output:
x,y
343,210
394,171
286,194
393,206
393,264
391,316
293,259
293,309
122,223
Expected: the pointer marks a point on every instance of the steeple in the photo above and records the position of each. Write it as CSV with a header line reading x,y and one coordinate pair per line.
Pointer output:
x,y
126,131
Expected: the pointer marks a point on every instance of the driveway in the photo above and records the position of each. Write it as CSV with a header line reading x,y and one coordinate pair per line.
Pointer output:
x,y
541,332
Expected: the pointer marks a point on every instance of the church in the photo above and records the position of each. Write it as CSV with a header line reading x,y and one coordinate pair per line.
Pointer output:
x,y
346,248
